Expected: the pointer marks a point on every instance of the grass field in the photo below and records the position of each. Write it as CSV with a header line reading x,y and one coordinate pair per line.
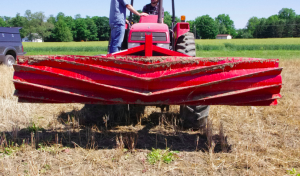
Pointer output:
x,y
259,140
271,41
263,48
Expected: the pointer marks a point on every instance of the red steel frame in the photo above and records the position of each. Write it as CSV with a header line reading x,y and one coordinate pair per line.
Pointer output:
x,y
148,48
171,78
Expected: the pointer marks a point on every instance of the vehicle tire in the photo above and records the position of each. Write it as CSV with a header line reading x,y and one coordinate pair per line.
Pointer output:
x,y
193,116
9,60
186,44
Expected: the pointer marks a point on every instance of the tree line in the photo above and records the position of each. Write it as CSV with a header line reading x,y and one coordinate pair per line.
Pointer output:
x,y
62,28
284,24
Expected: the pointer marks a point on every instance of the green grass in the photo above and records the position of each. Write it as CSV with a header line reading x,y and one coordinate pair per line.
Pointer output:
x,y
65,44
82,53
244,47
275,41
66,48
34,128
267,54
249,44
286,48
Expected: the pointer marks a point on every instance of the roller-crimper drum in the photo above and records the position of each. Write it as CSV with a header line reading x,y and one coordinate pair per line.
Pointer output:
x,y
152,80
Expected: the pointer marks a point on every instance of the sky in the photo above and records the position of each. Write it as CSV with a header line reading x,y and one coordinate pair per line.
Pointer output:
x,y
240,11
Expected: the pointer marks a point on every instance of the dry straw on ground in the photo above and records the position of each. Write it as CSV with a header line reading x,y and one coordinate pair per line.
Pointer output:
x,y
256,140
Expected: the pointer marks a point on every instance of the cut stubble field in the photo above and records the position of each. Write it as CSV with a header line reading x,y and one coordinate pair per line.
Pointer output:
x,y
257,140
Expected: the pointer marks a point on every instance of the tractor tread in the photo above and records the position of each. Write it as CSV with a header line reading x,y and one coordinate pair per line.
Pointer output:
x,y
197,118
186,44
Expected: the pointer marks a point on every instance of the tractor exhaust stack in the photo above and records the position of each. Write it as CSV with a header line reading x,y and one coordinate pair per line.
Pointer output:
x,y
160,12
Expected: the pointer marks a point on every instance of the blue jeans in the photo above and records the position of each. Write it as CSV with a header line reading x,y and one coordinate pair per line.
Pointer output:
x,y
117,36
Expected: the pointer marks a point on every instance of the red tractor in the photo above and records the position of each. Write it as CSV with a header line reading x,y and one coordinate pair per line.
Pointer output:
x,y
178,38
157,67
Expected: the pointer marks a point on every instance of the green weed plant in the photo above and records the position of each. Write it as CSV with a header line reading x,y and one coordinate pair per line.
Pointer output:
x,y
293,172
157,155
34,128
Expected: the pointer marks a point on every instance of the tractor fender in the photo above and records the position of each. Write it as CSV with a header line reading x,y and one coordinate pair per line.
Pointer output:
x,y
180,29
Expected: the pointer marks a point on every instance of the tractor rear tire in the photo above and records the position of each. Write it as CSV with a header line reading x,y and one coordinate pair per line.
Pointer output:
x,y
194,117
186,44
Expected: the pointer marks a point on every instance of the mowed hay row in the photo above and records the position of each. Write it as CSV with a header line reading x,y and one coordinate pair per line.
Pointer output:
x,y
262,141
11,112
6,86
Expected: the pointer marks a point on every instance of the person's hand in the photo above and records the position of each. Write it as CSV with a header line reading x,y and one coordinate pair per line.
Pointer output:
x,y
127,21
144,14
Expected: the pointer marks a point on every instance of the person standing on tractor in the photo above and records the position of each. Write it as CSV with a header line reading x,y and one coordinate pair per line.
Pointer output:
x,y
117,21
153,9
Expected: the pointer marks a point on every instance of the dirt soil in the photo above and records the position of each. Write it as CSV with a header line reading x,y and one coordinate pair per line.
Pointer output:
x,y
76,139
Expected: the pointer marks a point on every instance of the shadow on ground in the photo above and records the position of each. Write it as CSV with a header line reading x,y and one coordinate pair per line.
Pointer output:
x,y
102,127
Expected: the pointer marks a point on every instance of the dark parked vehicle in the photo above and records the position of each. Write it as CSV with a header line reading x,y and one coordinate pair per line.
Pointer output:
x,y
10,45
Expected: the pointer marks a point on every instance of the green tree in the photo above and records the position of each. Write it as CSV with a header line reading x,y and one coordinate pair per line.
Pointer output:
x,y
51,38
243,33
289,28
103,29
260,30
192,27
36,23
2,22
51,19
289,15
168,19
29,26
206,27
81,33
286,13
60,15
19,21
252,25
92,27
7,21
297,27
43,28
71,24
61,32
225,25
136,18
271,30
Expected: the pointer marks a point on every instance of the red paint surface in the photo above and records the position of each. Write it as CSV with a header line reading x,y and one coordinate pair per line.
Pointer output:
x,y
138,80
148,45
149,19
171,78
158,51
180,29
148,28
